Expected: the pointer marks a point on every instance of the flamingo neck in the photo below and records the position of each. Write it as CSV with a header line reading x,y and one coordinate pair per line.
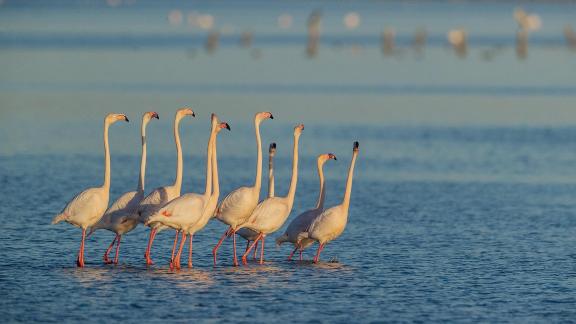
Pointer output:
x,y
322,193
208,190
215,182
271,176
142,158
258,181
106,184
178,181
294,180
348,192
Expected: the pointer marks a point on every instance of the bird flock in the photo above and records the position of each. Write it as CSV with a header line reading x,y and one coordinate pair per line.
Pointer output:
x,y
241,210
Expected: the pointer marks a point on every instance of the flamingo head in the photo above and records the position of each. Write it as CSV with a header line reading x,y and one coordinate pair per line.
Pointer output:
x,y
322,158
356,145
263,115
185,111
149,115
222,125
272,149
112,118
298,129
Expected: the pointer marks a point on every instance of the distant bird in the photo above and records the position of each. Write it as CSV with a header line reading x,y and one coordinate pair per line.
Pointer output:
x,y
331,223
248,234
239,204
297,228
120,217
570,36
458,38
87,207
184,212
160,196
271,213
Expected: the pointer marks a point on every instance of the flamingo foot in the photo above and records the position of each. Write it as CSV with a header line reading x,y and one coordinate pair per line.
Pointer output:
x,y
80,263
244,260
189,264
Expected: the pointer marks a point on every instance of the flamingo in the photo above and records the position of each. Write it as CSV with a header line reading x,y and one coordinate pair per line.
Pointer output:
x,y
184,212
300,224
87,207
271,213
331,223
119,217
248,234
160,196
239,204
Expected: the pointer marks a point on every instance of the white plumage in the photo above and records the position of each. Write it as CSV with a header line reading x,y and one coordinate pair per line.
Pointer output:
x,y
86,208
239,204
121,217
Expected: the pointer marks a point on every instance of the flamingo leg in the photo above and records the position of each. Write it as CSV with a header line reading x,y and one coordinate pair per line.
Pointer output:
x,y
255,248
244,260
317,257
190,252
174,246
215,249
292,254
262,250
116,256
176,263
300,254
149,248
80,261
247,245
106,258
234,250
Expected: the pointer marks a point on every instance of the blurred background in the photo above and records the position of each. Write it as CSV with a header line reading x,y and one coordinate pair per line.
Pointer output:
x,y
332,62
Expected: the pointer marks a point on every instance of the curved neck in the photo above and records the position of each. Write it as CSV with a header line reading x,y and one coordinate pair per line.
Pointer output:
x,y
322,194
178,181
208,190
271,176
106,184
258,181
142,158
348,192
294,180
215,183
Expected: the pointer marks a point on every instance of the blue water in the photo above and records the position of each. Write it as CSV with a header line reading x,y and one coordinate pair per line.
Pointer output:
x,y
463,200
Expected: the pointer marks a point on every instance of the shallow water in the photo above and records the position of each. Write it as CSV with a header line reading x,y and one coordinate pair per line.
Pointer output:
x,y
462,206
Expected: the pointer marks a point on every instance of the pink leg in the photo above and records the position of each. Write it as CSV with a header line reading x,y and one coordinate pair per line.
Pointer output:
x,y
106,258
234,250
177,260
255,249
292,254
262,250
300,254
174,246
117,249
80,261
149,248
244,257
215,249
190,252
317,257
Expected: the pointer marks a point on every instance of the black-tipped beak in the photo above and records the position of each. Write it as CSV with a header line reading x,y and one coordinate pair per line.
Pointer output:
x,y
356,145
156,116
126,119
273,145
271,117
334,157
227,126
193,114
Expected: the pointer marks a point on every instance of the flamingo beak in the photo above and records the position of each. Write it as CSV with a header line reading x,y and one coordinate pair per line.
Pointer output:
x,y
155,115
126,118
